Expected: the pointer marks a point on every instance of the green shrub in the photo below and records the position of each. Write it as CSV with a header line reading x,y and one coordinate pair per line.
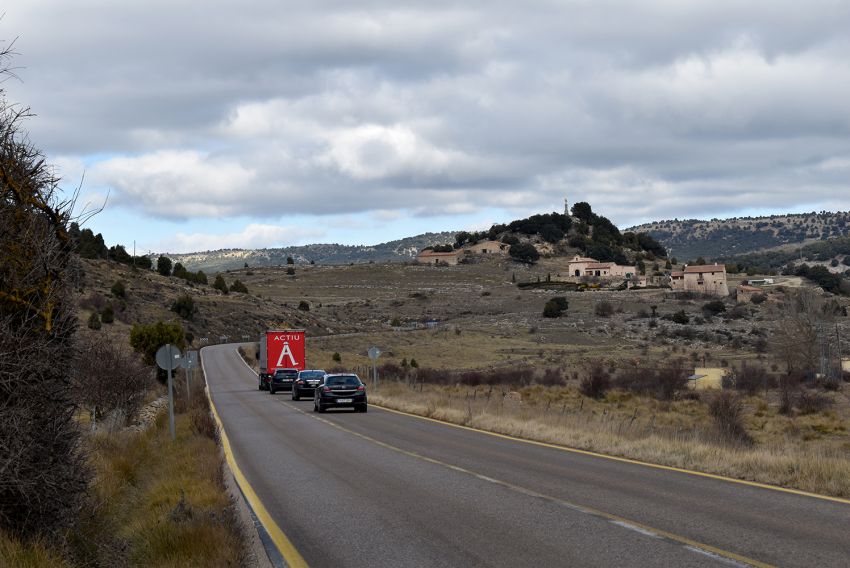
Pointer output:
x,y
337,357
108,314
714,307
184,306
238,286
94,321
304,305
119,290
604,309
681,318
220,284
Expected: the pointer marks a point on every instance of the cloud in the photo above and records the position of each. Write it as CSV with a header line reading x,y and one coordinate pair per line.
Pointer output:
x,y
252,236
651,109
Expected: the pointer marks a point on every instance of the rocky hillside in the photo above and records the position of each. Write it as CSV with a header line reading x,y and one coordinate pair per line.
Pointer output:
x,y
393,251
691,238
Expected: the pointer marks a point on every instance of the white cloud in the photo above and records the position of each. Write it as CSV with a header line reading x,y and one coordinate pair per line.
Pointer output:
x,y
254,235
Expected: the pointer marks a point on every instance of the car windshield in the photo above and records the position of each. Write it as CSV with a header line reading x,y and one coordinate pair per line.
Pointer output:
x,y
348,381
311,374
285,372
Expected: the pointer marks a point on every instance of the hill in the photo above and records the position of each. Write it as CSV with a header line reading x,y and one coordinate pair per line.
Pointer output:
x,y
394,251
722,238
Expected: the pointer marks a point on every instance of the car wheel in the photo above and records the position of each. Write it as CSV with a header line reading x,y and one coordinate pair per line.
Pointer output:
x,y
294,395
321,408
363,408
260,385
271,389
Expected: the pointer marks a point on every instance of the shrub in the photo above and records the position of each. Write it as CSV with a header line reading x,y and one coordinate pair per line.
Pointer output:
x,y
337,358
596,381
290,271
604,309
397,323
750,379
758,298
108,314
163,265
727,411
552,377
714,307
238,286
670,380
809,402
94,321
119,290
553,308
146,339
681,318
524,252
304,306
184,306
220,284
290,260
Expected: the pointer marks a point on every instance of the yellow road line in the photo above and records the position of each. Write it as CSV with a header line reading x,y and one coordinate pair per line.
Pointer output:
x,y
290,554
624,460
616,519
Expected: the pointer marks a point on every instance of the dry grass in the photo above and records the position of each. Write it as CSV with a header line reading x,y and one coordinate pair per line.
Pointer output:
x,y
14,553
676,434
156,502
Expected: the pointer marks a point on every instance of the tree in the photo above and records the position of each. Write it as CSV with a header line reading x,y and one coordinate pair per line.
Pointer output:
x,y
43,477
220,284
201,277
524,252
163,265
551,233
146,339
184,306
290,271
108,314
119,290
583,212
180,271
555,307
290,260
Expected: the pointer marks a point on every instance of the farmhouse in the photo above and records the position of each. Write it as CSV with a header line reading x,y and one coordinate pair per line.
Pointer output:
x,y
583,266
707,279
487,247
428,256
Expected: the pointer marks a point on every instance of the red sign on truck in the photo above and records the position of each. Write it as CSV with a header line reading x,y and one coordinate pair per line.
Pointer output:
x,y
285,349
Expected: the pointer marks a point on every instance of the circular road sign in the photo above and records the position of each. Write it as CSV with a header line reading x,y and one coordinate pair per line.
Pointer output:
x,y
374,353
168,361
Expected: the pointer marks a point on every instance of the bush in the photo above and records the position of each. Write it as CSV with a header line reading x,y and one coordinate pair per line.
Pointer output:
x,y
163,265
809,402
596,381
146,339
238,286
714,307
290,260
94,321
758,298
604,309
220,284
304,306
750,379
290,271
184,306
555,307
337,358
108,314
552,377
524,252
727,411
119,290
681,318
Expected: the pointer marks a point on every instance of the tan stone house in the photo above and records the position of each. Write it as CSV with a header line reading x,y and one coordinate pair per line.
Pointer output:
x,y
487,247
583,266
428,256
707,279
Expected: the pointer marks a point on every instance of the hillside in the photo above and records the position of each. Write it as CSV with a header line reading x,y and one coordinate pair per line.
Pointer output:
x,y
716,238
393,251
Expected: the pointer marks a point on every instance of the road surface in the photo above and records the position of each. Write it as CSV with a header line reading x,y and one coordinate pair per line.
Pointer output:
x,y
386,489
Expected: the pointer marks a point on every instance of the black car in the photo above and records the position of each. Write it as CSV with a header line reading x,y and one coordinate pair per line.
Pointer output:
x,y
283,379
306,383
340,391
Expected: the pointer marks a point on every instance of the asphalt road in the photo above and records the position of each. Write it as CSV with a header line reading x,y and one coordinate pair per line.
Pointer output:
x,y
385,489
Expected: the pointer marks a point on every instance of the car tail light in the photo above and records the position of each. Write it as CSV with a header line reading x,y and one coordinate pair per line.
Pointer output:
x,y
326,389
361,388
299,381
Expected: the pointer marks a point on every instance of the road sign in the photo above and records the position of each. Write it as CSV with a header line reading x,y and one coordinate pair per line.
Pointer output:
x,y
190,360
168,357
374,353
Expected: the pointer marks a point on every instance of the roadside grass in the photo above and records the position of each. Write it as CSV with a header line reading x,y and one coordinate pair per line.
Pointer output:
x,y
155,502
676,434
14,553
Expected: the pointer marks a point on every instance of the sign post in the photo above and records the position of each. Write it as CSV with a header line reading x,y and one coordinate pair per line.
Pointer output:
x,y
189,362
169,357
374,353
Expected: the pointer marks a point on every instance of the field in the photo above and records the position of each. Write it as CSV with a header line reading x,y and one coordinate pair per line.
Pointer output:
x,y
483,326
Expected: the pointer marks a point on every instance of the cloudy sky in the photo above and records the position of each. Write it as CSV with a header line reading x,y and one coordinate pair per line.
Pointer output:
x,y
259,123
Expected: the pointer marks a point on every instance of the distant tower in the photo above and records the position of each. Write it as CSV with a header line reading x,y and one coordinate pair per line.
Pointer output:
x,y
566,207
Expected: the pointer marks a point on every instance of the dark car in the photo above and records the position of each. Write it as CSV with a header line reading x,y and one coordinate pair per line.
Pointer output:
x,y
283,379
306,383
342,390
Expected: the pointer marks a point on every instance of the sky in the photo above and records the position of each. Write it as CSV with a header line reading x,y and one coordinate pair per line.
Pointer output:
x,y
265,123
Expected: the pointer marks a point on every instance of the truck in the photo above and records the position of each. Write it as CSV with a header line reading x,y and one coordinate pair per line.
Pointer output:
x,y
281,349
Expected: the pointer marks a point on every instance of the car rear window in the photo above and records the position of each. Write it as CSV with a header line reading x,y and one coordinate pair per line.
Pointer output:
x,y
350,381
285,372
312,374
